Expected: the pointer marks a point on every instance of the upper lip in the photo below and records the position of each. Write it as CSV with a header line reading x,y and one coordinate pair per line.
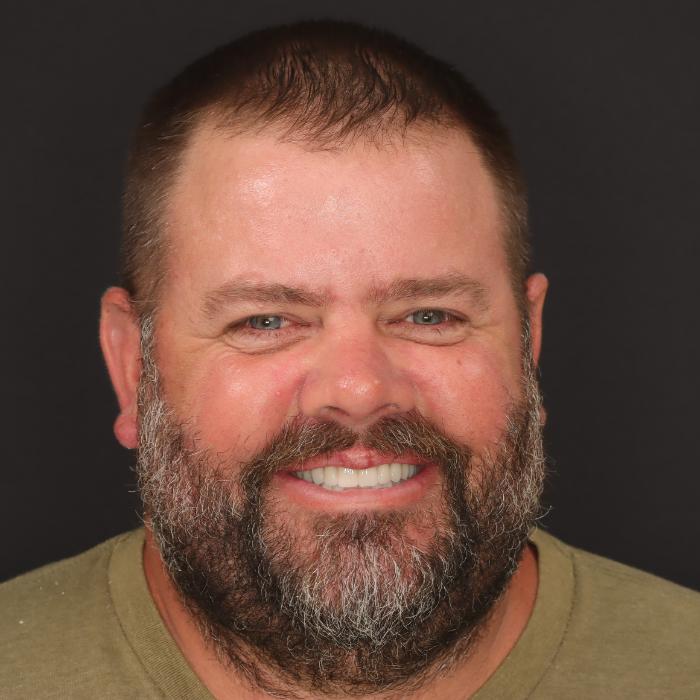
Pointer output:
x,y
356,458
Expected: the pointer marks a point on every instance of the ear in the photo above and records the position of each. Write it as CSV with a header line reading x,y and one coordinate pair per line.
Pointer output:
x,y
535,291
120,339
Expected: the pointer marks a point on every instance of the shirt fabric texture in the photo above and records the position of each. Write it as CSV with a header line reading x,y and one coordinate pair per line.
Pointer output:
x,y
87,628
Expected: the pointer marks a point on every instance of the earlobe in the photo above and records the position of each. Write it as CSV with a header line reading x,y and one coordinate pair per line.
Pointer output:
x,y
535,291
120,340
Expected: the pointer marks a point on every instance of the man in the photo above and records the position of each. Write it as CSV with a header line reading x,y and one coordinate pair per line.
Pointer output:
x,y
324,351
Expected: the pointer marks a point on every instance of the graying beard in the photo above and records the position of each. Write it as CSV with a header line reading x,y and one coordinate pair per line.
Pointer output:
x,y
365,582
376,600
362,611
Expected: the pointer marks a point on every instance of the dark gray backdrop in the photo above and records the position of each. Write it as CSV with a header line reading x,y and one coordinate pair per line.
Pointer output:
x,y
603,101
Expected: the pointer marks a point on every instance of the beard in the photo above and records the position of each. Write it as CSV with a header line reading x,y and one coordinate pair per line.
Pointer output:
x,y
351,603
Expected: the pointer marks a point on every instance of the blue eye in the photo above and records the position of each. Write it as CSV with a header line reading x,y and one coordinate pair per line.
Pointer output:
x,y
265,323
428,317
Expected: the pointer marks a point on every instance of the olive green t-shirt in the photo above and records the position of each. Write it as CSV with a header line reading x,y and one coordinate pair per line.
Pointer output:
x,y
87,628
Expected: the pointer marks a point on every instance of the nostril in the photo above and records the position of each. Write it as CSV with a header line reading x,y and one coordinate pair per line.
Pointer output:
x,y
356,419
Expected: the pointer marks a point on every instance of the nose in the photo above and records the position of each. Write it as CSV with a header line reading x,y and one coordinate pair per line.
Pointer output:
x,y
352,381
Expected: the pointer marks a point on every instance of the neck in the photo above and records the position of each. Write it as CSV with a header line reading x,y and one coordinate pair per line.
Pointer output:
x,y
499,634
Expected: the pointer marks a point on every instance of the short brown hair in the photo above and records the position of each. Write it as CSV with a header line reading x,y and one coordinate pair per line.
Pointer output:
x,y
326,83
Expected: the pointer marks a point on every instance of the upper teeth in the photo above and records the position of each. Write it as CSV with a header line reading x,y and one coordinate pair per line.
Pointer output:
x,y
338,478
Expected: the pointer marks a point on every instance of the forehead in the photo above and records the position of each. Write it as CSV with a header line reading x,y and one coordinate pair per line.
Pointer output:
x,y
254,205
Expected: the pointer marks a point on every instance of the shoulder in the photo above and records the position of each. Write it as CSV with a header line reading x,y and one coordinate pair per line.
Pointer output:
x,y
628,631
33,602
59,629
637,601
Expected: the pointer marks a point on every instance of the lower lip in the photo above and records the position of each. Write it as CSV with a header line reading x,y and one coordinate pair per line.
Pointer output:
x,y
399,495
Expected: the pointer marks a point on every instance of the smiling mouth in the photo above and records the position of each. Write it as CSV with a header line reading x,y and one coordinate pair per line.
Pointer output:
x,y
383,476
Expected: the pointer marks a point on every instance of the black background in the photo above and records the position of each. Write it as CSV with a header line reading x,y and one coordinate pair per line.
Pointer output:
x,y
603,102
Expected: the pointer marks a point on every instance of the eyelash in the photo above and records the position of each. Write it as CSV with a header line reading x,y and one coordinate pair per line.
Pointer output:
x,y
243,327
450,319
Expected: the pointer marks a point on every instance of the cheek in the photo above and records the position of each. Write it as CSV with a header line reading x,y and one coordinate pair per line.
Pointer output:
x,y
238,404
467,394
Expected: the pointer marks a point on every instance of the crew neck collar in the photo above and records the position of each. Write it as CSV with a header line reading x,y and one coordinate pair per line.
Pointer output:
x,y
516,677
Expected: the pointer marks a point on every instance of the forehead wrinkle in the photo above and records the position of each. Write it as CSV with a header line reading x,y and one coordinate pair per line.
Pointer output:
x,y
273,293
443,285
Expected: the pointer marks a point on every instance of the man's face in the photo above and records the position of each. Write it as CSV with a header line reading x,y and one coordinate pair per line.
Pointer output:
x,y
352,311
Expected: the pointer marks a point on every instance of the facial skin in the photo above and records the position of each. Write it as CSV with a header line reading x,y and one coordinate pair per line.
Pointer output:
x,y
369,239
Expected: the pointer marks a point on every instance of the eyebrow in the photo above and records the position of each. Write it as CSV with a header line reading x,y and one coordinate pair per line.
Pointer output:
x,y
399,290
433,287
236,292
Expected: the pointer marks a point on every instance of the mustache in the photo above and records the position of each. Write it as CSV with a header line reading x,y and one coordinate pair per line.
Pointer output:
x,y
302,439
